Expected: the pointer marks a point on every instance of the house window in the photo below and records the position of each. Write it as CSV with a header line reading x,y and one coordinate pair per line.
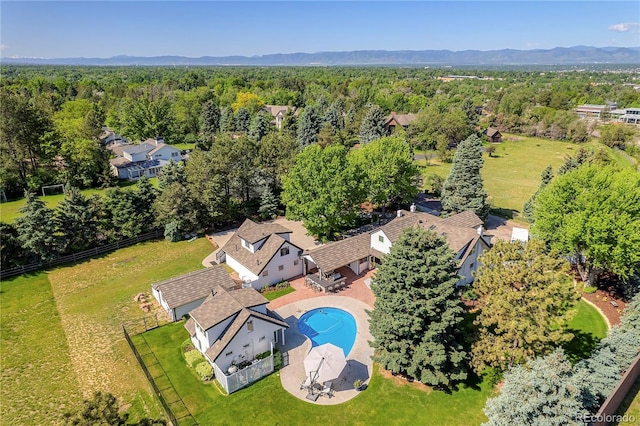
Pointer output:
x,y
280,268
229,353
244,243
363,260
296,262
246,346
262,338
265,273
381,238
250,326
175,154
284,251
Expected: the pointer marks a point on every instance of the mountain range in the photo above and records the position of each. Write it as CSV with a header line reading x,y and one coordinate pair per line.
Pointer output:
x,y
557,56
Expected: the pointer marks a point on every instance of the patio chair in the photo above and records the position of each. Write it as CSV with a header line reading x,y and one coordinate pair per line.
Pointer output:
x,y
327,389
306,384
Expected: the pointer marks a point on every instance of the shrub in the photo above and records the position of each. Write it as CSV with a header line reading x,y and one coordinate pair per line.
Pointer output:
x,y
590,289
263,355
277,360
470,295
193,357
204,370
282,285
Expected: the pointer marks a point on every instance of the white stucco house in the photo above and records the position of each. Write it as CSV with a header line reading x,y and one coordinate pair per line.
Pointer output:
x,y
179,296
463,232
262,254
147,158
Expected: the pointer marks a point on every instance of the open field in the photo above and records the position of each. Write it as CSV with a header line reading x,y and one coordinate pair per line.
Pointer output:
x,y
61,334
9,210
512,175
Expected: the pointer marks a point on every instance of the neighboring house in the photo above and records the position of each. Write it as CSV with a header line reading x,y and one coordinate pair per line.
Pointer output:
x,y
493,134
463,232
392,120
179,296
262,254
231,328
591,111
108,137
278,112
627,115
143,159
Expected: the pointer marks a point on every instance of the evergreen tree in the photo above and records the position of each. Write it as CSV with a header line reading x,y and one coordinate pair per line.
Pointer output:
x,y
463,189
268,204
170,173
525,297
276,155
544,393
145,196
372,126
36,229
527,210
206,196
176,211
119,217
243,120
227,120
259,127
334,116
308,127
77,221
573,162
210,119
417,317
11,252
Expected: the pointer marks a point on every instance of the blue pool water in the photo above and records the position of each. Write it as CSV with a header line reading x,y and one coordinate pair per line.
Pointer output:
x,y
329,325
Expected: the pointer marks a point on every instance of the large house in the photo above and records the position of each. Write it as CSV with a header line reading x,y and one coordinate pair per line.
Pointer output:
x,y
278,112
463,232
132,161
230,326
627,115
392,120
261,254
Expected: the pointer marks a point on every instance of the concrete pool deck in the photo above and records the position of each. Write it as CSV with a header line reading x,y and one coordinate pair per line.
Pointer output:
x,y
359,364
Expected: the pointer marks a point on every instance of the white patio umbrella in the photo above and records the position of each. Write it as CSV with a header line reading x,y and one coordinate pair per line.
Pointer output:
x,y
324,362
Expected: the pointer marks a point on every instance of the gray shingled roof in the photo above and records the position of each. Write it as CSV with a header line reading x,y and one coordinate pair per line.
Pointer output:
x,y
491,131
222,304
467,219
196,285
334,255
134,149
236,325
254,232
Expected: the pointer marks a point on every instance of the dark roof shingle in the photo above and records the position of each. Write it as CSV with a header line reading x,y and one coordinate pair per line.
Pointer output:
x,y
334,255
222,304
196,285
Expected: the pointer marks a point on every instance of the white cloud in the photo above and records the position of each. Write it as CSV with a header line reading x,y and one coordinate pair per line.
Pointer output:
x,y
625,26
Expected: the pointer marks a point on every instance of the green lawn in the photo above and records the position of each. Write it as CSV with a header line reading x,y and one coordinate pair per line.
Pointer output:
x,y
631,406
588,327
38,380
9,210
385,401
278,293
61,334
512,175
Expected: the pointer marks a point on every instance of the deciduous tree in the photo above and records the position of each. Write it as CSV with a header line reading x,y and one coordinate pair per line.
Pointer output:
x,y
324,190
593,215
525,297
417,317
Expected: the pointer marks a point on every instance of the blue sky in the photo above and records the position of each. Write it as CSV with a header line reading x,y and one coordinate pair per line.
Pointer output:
x,y
57,29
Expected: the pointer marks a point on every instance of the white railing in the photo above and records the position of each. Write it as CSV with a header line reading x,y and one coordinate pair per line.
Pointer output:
x,y
257,370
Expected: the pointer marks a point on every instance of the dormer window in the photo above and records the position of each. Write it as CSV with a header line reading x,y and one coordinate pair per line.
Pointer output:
x,y
250,325
381,238
245,243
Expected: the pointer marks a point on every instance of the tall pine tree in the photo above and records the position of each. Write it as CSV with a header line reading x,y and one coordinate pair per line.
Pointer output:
x,y
308,127
77,221
243,120
372,126
463,189
527,210
417,315
36,229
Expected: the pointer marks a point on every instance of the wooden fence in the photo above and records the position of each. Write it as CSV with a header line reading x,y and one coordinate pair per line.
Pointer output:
x,y
19,270
607,414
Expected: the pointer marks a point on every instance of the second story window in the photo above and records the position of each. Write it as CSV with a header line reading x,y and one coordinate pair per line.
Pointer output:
x,y
284,251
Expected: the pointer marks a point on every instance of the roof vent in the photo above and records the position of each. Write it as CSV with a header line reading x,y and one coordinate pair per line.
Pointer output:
x,y
412,208
399,213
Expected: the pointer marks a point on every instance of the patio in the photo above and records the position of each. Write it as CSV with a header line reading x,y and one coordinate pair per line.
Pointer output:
x,y
359,364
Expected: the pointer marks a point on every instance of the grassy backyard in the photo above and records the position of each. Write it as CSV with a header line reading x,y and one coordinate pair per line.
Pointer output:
x,y
512,175
386,401
588,327
61,334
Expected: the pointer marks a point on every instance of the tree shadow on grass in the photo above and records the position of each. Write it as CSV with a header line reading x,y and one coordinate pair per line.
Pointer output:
x,y
581,346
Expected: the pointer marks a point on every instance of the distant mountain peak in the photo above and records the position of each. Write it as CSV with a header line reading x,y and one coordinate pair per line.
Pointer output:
x,y
557,56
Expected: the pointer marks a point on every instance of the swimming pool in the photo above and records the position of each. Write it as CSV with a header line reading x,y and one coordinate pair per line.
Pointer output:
x,y
329,325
